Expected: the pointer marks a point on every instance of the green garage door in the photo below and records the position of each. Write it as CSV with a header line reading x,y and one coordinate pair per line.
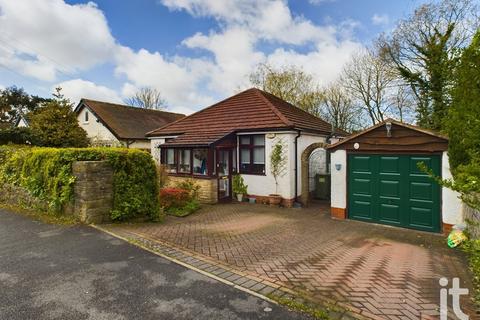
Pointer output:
x,y
390,189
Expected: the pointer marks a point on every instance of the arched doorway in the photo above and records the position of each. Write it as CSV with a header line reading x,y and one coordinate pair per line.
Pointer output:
x,y
306,168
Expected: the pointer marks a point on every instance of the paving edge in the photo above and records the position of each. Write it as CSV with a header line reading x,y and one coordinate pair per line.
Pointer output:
x,y
215,270
189,266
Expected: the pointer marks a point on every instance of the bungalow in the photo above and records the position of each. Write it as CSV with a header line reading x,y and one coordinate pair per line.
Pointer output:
x,y
237,136
109,124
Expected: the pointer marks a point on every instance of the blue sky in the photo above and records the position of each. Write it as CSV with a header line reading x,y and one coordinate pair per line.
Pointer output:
x,y
194,51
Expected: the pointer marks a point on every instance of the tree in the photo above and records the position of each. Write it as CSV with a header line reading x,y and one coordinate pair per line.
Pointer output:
x,y
147,98
15,102
424,48
339,109
369,80
291,84
55,124
463,125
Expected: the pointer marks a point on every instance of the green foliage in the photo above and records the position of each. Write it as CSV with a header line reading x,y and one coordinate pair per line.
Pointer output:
x,y
15,135
238,185
463,126
55,125
277,162
191,186
472,248
47,174
15,102
179,202
189,208
424,47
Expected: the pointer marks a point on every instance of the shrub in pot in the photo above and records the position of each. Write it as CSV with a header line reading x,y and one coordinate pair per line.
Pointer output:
x,y
277,168
239,187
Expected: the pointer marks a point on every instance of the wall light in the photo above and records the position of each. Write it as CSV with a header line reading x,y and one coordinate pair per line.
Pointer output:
x,y
388,125
338,166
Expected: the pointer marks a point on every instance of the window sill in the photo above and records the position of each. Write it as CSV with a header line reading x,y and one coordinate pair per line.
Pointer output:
x,y
252,174
188,175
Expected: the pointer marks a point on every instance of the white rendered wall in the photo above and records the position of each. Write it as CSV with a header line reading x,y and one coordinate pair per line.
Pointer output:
x,y
96,131
263,185
154,149
140,144
339,179
451,203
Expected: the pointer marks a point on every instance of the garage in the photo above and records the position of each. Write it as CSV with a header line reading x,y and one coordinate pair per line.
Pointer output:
x,y
376,178
391,189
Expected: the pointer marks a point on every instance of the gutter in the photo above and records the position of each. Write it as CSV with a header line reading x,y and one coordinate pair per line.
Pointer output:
x,y
299,133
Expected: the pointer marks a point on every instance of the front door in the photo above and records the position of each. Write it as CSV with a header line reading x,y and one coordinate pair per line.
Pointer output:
x,y
224,169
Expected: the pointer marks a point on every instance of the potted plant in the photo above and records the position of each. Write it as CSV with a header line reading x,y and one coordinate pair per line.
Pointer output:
x,y
277,167
239,187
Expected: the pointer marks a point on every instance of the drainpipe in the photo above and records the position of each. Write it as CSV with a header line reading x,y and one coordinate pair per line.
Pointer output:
x,y
299,133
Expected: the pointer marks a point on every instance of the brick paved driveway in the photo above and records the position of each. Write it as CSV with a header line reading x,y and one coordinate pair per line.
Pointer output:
x,y
375,271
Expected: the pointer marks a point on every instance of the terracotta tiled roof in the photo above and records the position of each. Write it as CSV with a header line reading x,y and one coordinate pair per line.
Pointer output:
x,y
252,109
127,122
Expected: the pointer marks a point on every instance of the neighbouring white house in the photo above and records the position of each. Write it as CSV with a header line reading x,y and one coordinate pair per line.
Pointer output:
x,y
376,177
110,124
236,136
21,121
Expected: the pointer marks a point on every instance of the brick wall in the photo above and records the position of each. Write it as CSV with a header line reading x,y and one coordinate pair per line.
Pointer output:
x,y
93,191
208,188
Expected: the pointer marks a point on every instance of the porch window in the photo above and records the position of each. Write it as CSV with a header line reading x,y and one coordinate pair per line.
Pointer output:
x,y
184,164
170,163
252,154
200,161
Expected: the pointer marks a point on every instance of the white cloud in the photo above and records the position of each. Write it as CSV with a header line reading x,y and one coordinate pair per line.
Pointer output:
x,y
43,37
380,19
269,20
72,38
78,88
247,24
177,79
317,2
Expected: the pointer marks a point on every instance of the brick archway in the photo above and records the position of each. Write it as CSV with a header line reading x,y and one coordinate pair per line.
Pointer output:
x,y
305,170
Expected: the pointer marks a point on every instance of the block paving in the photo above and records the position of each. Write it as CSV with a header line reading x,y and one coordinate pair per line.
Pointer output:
x,y
359,270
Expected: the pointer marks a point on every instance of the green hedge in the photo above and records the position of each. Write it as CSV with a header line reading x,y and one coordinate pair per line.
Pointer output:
x,y
47,173
17,136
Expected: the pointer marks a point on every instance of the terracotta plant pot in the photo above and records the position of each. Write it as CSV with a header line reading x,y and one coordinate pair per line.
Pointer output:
x,y
274,199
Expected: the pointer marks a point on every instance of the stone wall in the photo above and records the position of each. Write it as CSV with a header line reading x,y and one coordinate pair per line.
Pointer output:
x,y
472,217
208,188
19,197
93,191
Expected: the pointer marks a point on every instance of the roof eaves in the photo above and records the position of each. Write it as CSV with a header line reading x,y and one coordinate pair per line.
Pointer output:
x,y
378,125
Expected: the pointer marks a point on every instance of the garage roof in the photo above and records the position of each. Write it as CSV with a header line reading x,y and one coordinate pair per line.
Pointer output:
x,y
404,137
